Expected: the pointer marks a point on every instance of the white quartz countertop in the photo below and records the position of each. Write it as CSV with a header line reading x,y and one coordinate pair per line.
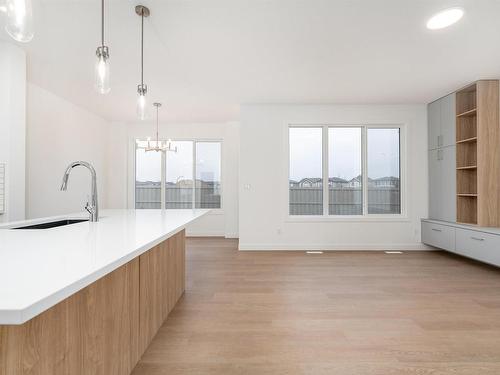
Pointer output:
x,y
41,267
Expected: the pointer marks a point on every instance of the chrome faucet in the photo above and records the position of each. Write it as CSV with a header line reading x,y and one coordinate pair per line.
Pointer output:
x,y
92,207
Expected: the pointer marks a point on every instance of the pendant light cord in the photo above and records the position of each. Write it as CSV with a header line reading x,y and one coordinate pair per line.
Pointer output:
x,y
157,136
142,48
102,23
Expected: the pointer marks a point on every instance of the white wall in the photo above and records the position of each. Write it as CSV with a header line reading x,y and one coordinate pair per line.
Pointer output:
x,y
121,169
13,128
230,171
58,133
264,223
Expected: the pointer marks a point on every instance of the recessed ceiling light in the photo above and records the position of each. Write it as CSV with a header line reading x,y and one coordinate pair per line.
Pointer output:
x,y
3,9
445,18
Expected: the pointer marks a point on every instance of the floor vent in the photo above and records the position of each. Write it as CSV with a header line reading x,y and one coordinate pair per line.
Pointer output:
x,y
314,252
393,252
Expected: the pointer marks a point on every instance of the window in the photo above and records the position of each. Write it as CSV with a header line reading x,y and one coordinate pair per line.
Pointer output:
x,y
191,177
344,170
384,193
179,176
147,178
306,182
345,181
207,189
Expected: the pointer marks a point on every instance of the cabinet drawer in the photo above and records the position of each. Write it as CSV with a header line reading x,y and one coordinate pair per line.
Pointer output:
x,y
478,245
441,236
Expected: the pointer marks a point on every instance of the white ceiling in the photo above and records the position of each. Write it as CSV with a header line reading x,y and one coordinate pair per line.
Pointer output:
x,y
203,58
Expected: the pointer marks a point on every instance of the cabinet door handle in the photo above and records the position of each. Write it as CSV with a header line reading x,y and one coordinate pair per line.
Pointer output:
x,y
440,140
477,239
436,230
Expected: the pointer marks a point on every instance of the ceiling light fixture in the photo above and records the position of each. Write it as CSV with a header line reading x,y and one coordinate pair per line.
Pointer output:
x,y
102,64
158,145
19,20
142,89
445,18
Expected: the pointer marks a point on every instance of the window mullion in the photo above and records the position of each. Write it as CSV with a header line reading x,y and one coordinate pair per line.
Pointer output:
x,y
193,200
163,179
326,196
364,168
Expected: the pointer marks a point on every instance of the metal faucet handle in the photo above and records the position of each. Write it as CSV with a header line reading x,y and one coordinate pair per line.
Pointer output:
x,y
90,209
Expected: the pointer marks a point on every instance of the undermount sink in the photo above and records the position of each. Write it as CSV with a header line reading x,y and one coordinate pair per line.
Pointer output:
x,y
52,224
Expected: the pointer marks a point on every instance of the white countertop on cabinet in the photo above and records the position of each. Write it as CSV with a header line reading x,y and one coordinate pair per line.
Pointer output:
x,y
41,267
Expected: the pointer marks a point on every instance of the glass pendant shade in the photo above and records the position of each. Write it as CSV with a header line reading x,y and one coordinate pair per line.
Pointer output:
x,y
102,71
141,106
20,25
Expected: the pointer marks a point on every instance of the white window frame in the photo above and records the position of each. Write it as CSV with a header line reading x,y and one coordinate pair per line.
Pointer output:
x,y
133,164
403,216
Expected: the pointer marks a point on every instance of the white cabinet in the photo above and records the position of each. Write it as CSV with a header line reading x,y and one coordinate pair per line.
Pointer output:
x,y
434,123
441,236
442,159
448,120
447,197
434,185
442,184
478,245
441,122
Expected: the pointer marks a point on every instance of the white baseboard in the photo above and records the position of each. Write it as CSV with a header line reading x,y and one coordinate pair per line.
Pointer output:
x,y
211,234
335,247
204,234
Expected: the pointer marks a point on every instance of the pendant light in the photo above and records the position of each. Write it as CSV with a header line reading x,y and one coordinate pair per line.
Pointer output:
x,y
158,145
102,64
20,20
142,89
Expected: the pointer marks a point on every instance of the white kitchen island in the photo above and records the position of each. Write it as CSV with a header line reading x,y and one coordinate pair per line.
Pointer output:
x,y
89,297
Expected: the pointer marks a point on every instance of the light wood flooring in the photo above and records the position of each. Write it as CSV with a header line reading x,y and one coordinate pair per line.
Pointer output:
x,y
345,313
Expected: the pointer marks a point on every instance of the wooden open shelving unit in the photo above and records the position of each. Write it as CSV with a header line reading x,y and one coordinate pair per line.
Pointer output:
x,y
478,153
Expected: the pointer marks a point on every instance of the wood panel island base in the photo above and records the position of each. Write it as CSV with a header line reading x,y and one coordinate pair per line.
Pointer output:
x,y
105,327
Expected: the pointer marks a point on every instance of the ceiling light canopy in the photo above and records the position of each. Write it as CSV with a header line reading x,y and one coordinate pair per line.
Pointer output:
x,y
445,18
